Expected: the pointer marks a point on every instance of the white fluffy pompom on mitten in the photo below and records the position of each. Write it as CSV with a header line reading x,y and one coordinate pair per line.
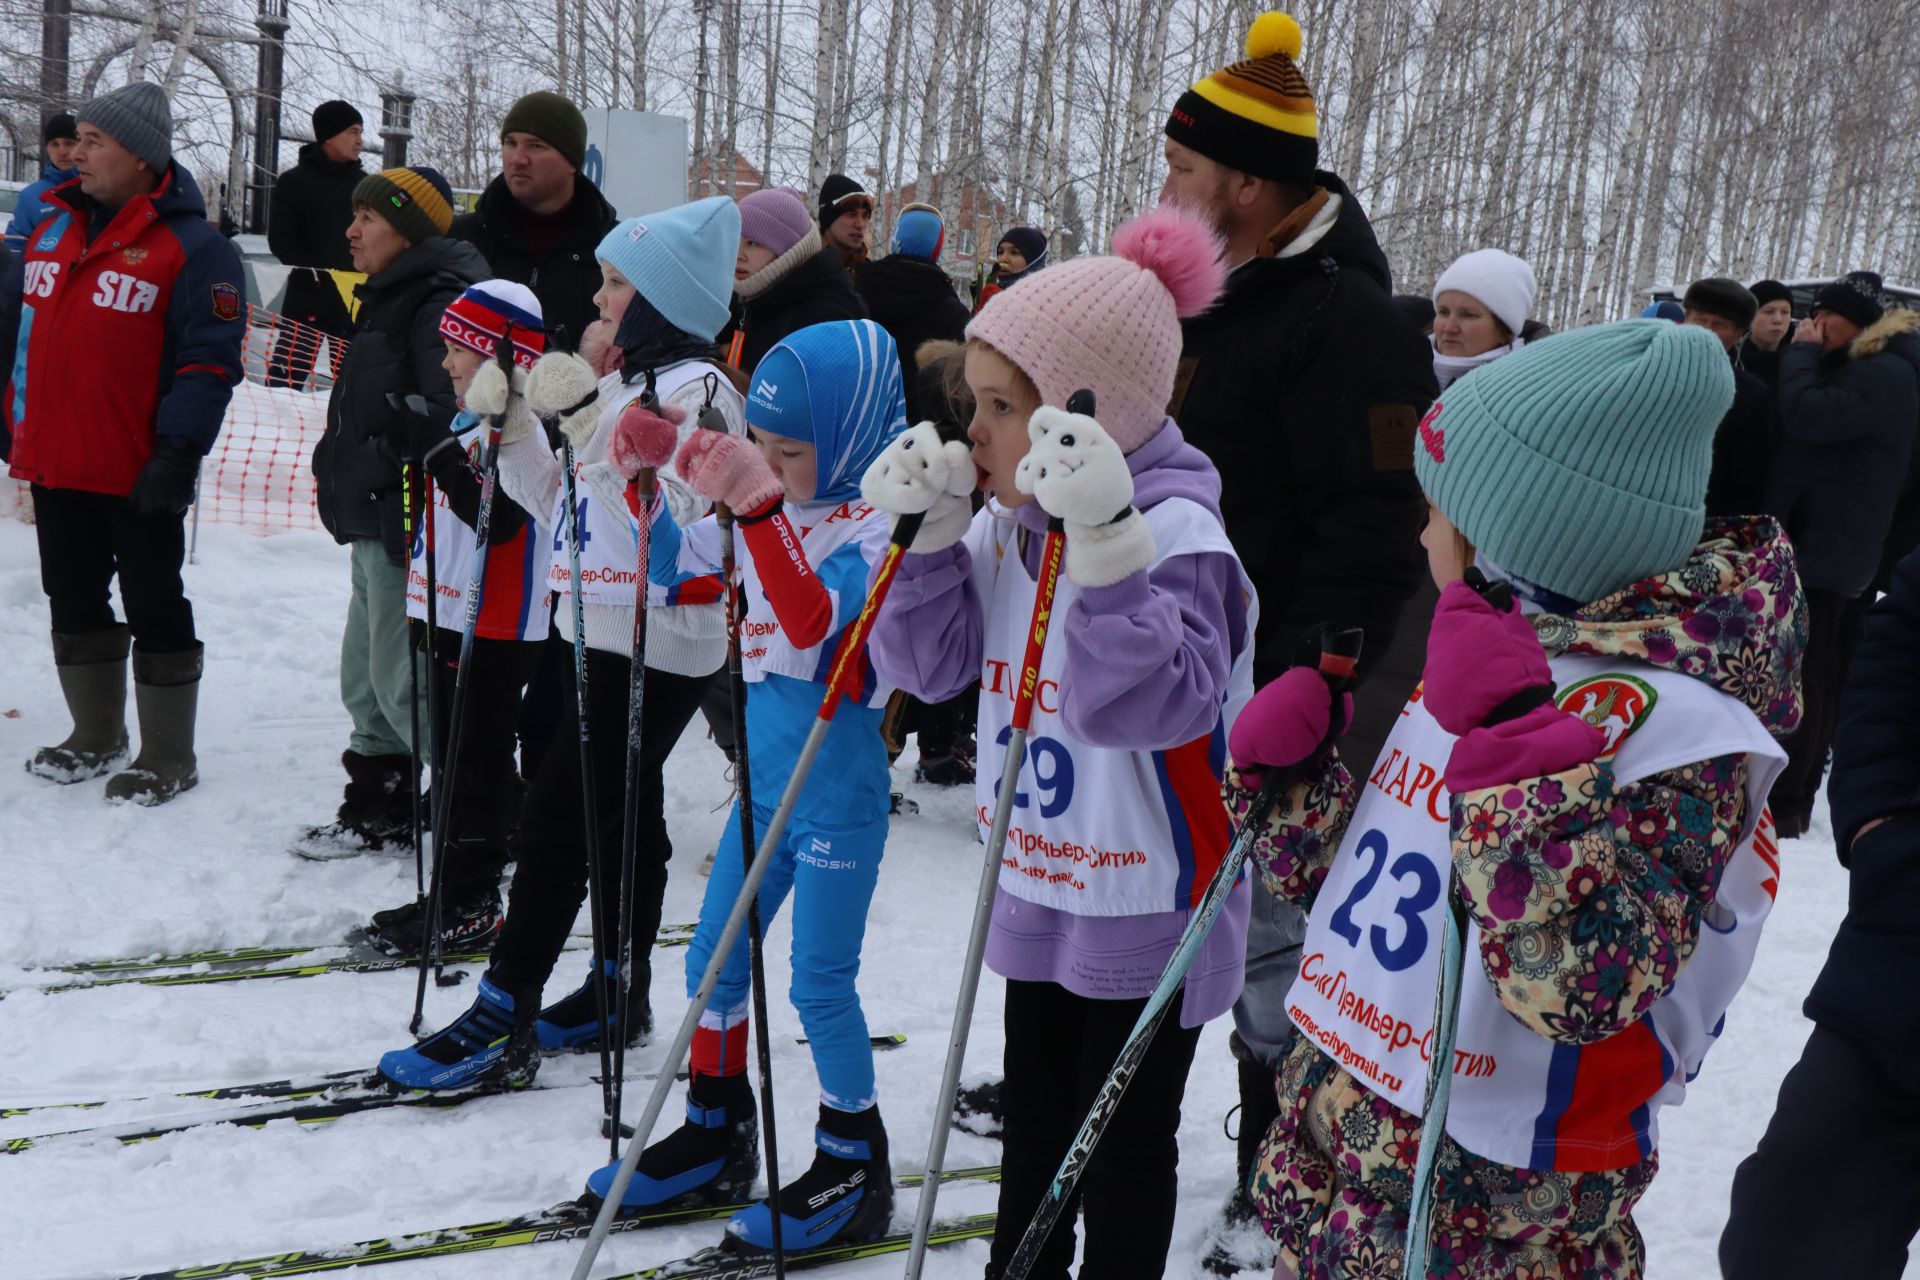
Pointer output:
x,y
920,473
564,384
1075,471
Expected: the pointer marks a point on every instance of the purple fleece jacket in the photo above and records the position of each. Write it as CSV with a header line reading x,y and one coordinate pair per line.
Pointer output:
x,y
1150,657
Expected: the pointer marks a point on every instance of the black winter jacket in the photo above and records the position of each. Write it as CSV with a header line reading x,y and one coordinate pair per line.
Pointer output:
x,y
1847,424
564,280
396,347
1862,991
1743,448
307,227
816,291
914,302
1304,386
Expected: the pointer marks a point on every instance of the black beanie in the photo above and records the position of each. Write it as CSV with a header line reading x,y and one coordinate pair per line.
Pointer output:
x,y
1417,308
837,194
553,119
1854,296
1719,296
60,126
1765,291
334,117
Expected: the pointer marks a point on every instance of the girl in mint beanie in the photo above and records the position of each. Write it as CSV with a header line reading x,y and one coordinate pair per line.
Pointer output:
x,y
1575,797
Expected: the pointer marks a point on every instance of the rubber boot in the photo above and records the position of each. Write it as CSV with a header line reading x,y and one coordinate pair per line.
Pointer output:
x,y
847,1195
1259,1108
93,675
166,691
709,1160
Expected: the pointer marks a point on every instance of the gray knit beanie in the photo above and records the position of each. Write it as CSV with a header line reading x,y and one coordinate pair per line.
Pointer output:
x,y
138,118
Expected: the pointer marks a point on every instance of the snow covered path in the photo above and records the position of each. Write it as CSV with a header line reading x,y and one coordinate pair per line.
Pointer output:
x,y
84,881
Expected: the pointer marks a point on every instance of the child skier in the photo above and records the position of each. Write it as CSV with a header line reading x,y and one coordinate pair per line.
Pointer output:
x,y
665,290
1585,781
485,800
1116,827
822,405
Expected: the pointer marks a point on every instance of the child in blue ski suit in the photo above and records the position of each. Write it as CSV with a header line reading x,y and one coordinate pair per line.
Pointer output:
x,y
822,406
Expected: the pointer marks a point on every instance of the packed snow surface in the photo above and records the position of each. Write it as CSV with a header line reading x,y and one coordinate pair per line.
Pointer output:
x,y
87,881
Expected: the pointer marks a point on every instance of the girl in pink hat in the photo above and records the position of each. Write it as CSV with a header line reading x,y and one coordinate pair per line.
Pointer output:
x,y
1117,825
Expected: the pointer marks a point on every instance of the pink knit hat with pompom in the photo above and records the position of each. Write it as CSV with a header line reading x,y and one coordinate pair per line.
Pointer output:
x,y
1111,324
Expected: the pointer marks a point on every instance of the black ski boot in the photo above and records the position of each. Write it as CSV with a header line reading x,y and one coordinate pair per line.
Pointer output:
x,y
845,1197
711,1159
467,924
375,815
572,1024
92,667
1239,1244
490,1044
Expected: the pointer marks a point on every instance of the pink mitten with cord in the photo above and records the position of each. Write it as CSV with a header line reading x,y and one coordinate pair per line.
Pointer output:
x,y
726,468
1284,722
643,439
1488,683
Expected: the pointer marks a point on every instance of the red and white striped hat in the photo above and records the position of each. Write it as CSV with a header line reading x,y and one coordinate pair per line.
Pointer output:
x,y
479,317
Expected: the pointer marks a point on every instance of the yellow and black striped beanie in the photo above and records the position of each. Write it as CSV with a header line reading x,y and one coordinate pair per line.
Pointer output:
x,y
1255,116
417,201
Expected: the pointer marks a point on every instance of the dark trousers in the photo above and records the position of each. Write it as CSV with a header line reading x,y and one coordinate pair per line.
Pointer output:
x,y
86,539
547,702
486,781
1834,1187
316,305
550,846
1832,633
1060,1047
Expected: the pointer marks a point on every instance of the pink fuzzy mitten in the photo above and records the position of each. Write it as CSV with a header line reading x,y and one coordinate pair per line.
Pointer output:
x,y
643,439
1284,723
728,469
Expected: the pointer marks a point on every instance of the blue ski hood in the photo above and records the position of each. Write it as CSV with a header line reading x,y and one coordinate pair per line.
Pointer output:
x,y
837,387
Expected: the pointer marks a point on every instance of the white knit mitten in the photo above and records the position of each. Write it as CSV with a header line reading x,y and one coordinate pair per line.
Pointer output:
x,y
1075,471
921,474
563,384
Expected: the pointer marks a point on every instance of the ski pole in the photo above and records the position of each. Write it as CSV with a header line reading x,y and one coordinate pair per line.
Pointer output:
x,y
413,699
1446,1018
640,490
1339,652
590,827
842,681
1024,692
430,948
711,420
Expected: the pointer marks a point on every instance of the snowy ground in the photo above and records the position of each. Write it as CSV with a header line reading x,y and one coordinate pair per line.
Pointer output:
x,y
85,881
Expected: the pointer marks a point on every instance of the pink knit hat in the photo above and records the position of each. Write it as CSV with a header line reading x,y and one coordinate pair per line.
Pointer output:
x,y
775,217
1111,324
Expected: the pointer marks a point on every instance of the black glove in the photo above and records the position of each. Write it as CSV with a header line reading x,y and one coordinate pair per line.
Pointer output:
x,y
165,484
421,436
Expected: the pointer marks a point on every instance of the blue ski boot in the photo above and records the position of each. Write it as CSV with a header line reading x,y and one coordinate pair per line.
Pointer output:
x,y
572,1025
711,1159
491,1044
846,1196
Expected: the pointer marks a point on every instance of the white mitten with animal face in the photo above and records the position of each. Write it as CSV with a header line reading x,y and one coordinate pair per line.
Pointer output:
x,y
919,474
1075,471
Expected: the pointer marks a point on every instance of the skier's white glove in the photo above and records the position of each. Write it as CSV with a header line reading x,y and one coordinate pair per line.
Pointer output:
x,y
520,424
564,385
487,393
920,473
1075,471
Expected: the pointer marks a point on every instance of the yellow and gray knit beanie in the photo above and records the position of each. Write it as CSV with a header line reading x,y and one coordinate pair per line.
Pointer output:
x,y
417,201
1256,116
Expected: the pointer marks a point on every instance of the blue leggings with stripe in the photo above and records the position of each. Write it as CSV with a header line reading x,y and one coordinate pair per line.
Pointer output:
x,y
830,871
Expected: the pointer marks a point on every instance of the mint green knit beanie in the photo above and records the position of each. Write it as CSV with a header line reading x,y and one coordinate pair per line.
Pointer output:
x,y
1580,462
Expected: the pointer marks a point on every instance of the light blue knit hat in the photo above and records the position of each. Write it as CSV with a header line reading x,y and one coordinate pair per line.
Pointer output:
x,y
681,261
1580,462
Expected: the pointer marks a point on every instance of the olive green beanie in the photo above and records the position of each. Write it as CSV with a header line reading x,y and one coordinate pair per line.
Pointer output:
x,y
1579,463
554,120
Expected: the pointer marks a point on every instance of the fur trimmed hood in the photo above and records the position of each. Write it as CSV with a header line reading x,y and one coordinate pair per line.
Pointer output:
x,y
1874,338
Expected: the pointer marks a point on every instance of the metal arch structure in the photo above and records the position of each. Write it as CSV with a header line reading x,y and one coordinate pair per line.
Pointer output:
x,y
236,100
